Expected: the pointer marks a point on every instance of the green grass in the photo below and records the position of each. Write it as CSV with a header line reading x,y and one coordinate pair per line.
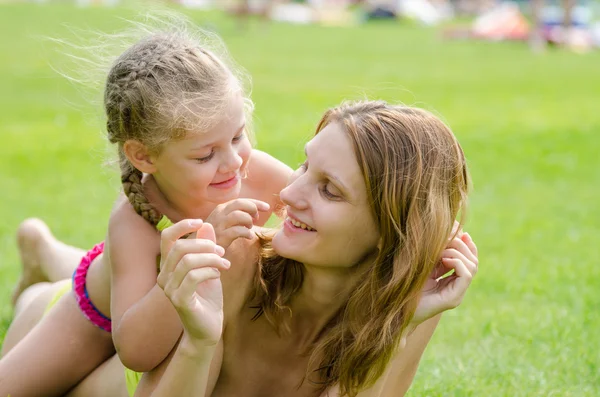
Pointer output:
x,y
529,125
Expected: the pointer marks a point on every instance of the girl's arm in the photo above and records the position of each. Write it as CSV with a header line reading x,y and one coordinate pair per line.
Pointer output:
x,y
267,176
193,367
145,326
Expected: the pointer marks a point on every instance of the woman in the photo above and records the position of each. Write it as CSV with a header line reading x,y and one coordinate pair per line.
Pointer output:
x,y
341,300
330,303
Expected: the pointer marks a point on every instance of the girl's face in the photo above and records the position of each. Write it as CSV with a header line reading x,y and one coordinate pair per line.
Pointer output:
x,y
208,166
329,221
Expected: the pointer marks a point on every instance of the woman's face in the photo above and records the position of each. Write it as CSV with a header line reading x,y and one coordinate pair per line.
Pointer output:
x,y
329,221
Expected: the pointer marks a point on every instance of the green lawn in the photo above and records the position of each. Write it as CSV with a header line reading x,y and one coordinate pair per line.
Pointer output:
x,y
529,124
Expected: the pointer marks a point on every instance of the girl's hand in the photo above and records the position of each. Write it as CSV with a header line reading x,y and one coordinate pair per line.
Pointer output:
x,y
235,219
190,277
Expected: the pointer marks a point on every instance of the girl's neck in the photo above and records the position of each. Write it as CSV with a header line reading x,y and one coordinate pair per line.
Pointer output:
x,y
173,208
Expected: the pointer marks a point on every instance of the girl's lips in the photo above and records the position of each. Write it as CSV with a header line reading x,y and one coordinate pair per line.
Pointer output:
x,y
226,184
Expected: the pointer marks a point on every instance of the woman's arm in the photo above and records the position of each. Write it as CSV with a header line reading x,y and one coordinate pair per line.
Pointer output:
x,y
185,372
439,295
401,370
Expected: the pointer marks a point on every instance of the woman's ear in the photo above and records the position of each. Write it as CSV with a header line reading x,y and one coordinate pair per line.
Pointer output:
x,y
139,156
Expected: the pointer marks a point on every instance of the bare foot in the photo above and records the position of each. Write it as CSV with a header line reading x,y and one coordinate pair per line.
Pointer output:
x,y
32,235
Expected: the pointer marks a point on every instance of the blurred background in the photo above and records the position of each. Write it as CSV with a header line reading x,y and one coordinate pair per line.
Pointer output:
x,y
518,83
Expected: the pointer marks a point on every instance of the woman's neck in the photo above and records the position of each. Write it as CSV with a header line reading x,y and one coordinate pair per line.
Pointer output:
x,y
324,292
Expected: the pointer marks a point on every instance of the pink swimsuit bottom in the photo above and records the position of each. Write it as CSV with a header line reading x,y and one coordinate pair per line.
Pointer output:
x,y
86,306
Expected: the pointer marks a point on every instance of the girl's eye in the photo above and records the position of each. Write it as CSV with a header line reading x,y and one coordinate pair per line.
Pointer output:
x,y
206,158
238,138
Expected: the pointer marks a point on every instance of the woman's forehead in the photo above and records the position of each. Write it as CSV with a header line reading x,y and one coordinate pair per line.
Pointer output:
x,y
332,152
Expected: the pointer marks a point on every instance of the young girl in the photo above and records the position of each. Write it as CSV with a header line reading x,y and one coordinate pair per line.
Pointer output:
x,y
177,114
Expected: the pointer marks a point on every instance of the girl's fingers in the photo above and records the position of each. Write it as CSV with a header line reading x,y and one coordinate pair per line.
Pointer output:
x,y
184,294
184,247
172,234
207,232
239,218
236,232
192,262
250,206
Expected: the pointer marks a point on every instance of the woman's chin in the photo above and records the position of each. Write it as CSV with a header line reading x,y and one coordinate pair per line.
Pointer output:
x,y
281,245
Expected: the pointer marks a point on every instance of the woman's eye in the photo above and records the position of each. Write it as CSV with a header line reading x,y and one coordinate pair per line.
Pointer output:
x,y
327,193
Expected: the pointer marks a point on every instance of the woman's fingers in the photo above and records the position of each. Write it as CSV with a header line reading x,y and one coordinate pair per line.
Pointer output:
x,y
460,245
459,282
470,243
456,229
439,270
455,254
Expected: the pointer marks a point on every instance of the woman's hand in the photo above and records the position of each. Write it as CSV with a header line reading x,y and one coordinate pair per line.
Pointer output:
x,y
235,219
440,294
190,277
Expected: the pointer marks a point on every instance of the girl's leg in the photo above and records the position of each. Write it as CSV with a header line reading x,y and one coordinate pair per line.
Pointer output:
x,y
56,355
43,257
29,310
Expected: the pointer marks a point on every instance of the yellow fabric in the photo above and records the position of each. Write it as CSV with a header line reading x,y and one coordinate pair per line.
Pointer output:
x,y
132,380
66,287
163,223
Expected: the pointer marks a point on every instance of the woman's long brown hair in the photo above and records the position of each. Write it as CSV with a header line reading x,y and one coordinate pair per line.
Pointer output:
x,y
417,182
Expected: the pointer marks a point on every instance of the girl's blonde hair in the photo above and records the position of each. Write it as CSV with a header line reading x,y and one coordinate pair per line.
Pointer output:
x,y
417,182
165,86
